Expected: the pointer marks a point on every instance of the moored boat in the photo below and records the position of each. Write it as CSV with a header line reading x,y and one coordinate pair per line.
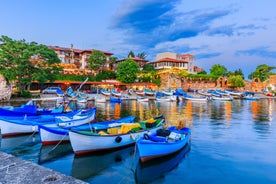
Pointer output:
x,y
116,93
57,134
84,142
163,99
162,143
168,92
14,126
140,99
222,98
196,99
105,92
140,93
149,92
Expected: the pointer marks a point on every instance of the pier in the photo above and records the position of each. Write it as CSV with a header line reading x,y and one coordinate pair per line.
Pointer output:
x,y
15,170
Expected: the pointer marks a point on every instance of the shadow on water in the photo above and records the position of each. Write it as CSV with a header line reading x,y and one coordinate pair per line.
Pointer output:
x,y
51,152
90,166
25,147
152,170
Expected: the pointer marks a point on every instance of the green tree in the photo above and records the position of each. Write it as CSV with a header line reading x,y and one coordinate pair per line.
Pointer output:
x,y
24,62
141,55
262,72
148,67
113,60
127,71
236,72
96,60
131,54
218,70
236,81
105,74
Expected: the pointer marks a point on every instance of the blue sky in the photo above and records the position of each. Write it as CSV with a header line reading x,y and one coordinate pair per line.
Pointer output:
x,y
239,34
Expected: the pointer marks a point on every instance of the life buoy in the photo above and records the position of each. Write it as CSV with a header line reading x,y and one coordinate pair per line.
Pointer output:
x,y
146,136
118,139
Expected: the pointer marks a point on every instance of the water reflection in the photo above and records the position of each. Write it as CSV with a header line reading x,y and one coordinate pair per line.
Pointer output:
x,y
51,152
90,166
151,171
11,143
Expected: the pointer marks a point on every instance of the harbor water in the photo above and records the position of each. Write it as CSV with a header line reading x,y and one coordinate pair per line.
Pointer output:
x,y
231,142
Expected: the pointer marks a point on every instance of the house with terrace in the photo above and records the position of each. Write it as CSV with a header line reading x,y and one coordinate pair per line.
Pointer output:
x,y
75,61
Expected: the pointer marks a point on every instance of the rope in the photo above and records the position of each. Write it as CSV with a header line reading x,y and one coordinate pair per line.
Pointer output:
x,y
25,139
133,158
55,145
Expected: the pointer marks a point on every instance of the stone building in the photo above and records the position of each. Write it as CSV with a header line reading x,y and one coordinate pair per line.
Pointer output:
x,y
5,89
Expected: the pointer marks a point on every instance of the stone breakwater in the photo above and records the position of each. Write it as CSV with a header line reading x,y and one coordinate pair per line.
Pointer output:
x,y
15,170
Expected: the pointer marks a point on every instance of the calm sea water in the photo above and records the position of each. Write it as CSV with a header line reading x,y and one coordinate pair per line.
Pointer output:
x,y
231,142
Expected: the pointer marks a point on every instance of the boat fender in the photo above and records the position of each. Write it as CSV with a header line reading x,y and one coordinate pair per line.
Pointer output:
x,y
146,136
118,139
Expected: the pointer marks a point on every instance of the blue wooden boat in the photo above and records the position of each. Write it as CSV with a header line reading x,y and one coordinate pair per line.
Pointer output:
x,y
162,143
180,92
59,134
149,92
249,96
31,108
70,92
167,92
151,171
84,142
20,125
116,93
105,92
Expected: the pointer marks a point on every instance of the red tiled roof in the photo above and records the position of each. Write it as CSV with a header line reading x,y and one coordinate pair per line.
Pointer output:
x,y
76,50
134,59
170,60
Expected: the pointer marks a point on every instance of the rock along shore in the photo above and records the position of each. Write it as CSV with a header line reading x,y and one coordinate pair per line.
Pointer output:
x,y
15,170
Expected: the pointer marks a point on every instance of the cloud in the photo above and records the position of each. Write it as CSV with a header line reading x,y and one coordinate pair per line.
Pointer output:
x,y
208,55
151,22
262,51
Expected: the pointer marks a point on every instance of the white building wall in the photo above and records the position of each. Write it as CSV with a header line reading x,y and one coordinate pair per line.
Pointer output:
x,y
166,55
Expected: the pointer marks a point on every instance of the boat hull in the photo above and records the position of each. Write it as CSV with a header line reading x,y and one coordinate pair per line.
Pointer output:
x,y
84,144
9,128
53,133
149,150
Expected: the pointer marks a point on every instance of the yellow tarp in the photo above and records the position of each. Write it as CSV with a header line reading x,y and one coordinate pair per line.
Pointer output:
x,y
113,130
125,128
102,133
150,120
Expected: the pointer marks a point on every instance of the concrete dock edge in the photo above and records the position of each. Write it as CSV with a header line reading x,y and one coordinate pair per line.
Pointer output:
x,y
15,170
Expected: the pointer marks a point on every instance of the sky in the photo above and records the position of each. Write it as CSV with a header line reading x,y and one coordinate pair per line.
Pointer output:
x,y
238,34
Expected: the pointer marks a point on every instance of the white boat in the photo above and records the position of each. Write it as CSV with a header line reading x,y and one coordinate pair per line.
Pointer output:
x,y
140,99
163,99
140,93
196,99
149,92
105,92
229,98
116,93
55,134
204,93
84,142
233,93
167,92
13,126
